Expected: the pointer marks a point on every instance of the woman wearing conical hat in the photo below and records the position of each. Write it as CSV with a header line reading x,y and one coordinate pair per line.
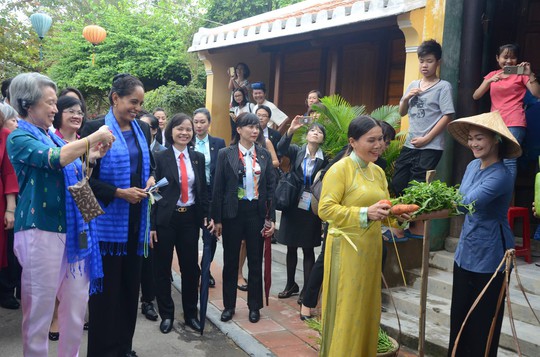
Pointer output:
x,y
485,235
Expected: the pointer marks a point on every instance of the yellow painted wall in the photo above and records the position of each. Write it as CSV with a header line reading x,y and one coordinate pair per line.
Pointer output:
x,y
419,25
217,81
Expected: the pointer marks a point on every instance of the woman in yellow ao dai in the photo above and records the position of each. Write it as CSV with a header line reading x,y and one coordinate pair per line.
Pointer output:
x,y
351,192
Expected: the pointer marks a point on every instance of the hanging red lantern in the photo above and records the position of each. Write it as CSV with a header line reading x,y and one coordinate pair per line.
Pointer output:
x,y
95,35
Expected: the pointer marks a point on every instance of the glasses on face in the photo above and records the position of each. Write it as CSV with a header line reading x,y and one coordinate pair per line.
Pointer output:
x,y
74,112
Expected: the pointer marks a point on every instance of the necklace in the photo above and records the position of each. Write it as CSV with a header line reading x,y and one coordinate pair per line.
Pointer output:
x,y
362,165
428,84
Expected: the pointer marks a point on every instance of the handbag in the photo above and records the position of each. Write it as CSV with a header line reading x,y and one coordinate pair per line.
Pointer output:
x,y
316,188
84,196
287,190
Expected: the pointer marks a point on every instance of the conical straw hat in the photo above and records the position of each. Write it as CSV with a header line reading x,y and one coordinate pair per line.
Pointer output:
x,y
492,121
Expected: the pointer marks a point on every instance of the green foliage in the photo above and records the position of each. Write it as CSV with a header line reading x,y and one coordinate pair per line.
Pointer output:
x,y
175,98
434,196
18,46
336,114
146,39
227,11
390,155
389,114
145,42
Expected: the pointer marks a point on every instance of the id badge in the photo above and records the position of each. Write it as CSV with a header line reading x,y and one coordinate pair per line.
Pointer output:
x,y
305,200
83,240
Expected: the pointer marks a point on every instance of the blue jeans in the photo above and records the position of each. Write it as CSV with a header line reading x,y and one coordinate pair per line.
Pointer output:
x,y
519,134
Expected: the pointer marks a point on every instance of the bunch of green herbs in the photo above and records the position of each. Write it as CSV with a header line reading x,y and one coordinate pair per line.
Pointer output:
x,y
434,196
384,343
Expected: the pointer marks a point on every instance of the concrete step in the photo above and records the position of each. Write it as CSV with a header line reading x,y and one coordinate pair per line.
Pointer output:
x,y
407,302
436,343
442,260
440,287
528,273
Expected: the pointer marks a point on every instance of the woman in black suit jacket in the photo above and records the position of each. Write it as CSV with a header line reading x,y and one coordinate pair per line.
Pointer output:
x,y
176,220
244,185
299,227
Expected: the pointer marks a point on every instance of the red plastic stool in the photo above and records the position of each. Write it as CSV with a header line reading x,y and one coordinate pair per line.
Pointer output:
x,y
525,249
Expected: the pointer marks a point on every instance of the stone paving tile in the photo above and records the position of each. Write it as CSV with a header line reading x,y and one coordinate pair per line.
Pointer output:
x,y
277,339
296,351
264,325
307,335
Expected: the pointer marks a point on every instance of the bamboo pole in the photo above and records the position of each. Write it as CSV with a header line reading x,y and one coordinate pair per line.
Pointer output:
x,y
424,279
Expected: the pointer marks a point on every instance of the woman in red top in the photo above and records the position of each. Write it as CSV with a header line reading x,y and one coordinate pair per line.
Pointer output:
x,y
507,92
8,191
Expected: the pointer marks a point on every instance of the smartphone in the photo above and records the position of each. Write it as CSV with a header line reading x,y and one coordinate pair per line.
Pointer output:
x,y
513,69
306,120
232,71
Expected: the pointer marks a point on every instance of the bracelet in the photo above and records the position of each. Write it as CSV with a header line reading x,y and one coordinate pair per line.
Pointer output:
x,y
10,211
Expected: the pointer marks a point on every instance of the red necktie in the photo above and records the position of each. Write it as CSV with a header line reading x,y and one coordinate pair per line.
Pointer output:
x,y
184,180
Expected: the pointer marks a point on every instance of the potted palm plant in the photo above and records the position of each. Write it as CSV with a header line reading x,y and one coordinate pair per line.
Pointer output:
x,y
336,113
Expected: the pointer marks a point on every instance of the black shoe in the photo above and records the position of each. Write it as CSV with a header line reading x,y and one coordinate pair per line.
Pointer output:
x,y
305,317
227,314
166,325
287,293
243,287
131,354
300,297
10,303
254,316
54,336
147,309
194,323
211,282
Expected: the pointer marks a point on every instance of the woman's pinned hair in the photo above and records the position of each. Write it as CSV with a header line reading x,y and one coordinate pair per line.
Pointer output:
x,y
124,84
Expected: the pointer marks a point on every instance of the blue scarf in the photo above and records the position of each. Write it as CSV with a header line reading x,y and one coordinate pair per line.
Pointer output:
x,y
112,227
72,173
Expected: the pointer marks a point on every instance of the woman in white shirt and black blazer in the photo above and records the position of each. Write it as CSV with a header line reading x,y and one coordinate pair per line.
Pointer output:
x,y
176,220
244,186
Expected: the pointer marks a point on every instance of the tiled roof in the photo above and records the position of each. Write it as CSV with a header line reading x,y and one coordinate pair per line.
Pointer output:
x,y
303,17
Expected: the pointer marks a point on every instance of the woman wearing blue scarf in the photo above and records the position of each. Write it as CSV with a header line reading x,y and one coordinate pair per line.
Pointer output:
x,y
118,181
56,248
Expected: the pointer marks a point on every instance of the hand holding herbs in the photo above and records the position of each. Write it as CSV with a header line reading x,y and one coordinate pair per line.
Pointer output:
x,y
432,197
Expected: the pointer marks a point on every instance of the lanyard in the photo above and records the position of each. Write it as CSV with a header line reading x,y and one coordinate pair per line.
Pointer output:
x,y
241,157
307,178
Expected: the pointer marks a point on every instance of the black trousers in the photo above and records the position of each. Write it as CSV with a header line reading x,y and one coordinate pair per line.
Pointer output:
x,y
246,226
182,233
148,293
113,313
10,276
412,164
313,285
466,288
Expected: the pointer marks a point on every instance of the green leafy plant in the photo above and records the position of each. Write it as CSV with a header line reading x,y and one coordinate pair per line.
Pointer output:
x,y
384,344
434,196
175,98
335,114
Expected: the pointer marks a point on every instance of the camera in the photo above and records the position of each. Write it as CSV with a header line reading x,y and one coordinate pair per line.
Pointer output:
x,y
514,70
232,71
306,120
